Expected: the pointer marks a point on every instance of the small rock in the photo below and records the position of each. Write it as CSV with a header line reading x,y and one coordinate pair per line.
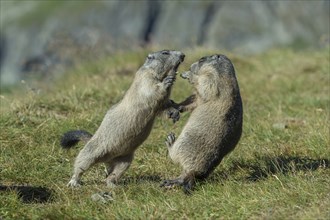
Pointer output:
x,y
102,197
280,126
295,122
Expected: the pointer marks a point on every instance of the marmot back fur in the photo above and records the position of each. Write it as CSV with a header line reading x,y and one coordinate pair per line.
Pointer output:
x,y
127,124
215,124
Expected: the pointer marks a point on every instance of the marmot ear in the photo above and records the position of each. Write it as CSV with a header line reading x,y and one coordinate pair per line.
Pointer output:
x,y
201,60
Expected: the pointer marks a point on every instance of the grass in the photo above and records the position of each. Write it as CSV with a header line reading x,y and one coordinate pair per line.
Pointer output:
x,y
279,170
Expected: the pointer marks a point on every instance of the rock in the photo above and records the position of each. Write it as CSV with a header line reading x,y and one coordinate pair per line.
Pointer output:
x,y
36,36
289,123
102,197
280,126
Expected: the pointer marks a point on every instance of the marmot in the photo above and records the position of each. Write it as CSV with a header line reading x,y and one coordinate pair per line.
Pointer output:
x,y
127,124
215,124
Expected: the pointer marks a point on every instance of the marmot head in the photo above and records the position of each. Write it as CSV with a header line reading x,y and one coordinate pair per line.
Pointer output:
x,y
164,63
212,76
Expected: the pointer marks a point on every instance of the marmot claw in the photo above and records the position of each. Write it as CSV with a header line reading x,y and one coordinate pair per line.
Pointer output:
x,y
170,139
169,80
174,114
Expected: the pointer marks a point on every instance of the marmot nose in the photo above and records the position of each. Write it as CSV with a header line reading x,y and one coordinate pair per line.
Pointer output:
x,y
182,56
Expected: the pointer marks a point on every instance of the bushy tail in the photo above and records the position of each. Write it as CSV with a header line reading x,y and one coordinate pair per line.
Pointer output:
x,y
71,138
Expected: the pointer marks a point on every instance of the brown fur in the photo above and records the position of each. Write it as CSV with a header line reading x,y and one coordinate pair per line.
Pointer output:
x,y
215,124
128,123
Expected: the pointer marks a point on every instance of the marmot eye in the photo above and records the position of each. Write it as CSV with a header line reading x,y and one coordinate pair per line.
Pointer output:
x,y
166,52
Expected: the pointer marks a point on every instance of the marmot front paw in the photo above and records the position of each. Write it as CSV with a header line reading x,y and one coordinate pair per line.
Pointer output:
x,y
168,81
170,139
174,114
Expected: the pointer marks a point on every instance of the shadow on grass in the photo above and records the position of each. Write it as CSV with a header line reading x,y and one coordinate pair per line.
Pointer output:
x,y
265,166
285,165
142,179
31,194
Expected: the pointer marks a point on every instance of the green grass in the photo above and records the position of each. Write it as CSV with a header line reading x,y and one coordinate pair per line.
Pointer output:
x,y
272,174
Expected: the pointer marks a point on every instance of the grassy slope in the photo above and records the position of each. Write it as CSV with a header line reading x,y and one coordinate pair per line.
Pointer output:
x,y
273,173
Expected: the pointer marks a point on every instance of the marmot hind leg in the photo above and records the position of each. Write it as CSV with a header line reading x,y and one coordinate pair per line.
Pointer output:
x,y
187,181
83,162
116,168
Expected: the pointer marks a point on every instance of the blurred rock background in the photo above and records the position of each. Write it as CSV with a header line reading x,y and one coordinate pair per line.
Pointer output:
x,y
46,37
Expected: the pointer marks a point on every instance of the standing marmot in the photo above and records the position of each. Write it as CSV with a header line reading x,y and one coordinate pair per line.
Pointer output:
x,y
215,124
128,123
